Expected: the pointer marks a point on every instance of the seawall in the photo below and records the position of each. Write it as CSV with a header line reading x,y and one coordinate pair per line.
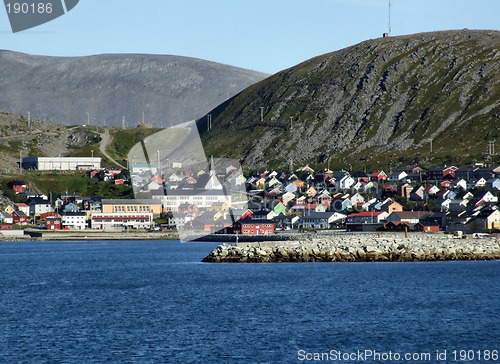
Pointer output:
x,y
359,247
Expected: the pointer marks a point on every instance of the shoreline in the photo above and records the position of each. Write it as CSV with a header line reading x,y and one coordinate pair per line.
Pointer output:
x,y
389,247
91,235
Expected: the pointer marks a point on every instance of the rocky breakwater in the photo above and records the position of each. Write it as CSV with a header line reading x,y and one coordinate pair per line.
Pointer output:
x,y
360,248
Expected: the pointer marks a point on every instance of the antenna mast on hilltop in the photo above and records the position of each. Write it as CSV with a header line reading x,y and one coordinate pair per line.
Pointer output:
x,y
389,23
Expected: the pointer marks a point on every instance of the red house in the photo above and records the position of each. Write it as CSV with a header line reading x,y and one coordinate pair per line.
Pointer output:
x,y
254,227
53,223
19,217
18,186
427,226
47,215
378,176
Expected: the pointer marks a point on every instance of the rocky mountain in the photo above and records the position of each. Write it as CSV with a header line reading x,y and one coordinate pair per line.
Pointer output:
x,y
106,89
426,98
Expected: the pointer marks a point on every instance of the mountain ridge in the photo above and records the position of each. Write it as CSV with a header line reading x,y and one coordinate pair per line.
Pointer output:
x,y
102,89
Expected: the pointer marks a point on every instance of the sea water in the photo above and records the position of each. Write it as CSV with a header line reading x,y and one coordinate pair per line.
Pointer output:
x,y
155,302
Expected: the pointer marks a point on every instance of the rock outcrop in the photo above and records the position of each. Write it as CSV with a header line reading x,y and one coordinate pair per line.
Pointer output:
x,y
360,248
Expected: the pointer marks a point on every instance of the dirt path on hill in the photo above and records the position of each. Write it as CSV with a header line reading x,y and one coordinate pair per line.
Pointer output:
x,y
105,141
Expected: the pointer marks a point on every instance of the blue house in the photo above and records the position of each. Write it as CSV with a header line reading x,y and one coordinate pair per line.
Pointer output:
x,y
71,207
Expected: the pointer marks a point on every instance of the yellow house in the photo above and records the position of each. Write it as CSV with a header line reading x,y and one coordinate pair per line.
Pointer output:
x,y
311,192
139,205
9,209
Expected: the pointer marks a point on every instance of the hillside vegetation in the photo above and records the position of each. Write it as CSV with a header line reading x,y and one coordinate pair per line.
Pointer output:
x,y
378,103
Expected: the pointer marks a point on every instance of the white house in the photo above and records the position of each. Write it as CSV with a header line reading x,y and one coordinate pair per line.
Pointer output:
x,y
320,220
6,218
74,221
397,176
494,183
346,182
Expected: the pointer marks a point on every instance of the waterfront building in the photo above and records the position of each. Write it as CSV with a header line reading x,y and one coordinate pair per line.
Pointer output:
x,y
74,221
131,206
121,220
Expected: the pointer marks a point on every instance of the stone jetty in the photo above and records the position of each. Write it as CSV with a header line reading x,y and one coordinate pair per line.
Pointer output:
x,y
361,247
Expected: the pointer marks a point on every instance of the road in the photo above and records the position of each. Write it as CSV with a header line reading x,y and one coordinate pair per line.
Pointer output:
x,y
105,141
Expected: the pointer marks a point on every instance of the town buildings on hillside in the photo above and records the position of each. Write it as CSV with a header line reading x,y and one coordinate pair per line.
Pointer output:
x,y
449,198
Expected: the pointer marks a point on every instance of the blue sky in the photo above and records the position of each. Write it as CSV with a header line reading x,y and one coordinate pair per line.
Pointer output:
x,y
264,35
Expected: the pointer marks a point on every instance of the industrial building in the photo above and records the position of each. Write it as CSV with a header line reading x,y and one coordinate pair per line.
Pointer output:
x,y
62,163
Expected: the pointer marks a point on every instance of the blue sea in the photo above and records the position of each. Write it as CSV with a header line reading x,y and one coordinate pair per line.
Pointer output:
x,y
155,302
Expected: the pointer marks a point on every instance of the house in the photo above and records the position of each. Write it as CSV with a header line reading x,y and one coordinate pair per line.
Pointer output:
x,y
48,215
38,206
280,208
399,226
389,190
17,185
357,198
426,226
74,221
254,227
263,215
466,172
459,184
52,223
321,220
397,176
494,183
70,207
408,216
341,203
405,190
367,217
486,220
440,173
311,192
488,197
378,176
430,190
360,177
291,188
391,206
286,222
417,193
346,182
6,218
19,217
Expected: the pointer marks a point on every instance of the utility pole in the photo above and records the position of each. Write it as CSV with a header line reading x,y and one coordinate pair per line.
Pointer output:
x,y
491,147
159,162
209,121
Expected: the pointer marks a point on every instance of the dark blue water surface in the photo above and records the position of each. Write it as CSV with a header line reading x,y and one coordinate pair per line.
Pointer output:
x,y
155,302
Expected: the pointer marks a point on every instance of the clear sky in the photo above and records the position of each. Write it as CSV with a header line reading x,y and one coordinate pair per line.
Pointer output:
x,y
263,35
